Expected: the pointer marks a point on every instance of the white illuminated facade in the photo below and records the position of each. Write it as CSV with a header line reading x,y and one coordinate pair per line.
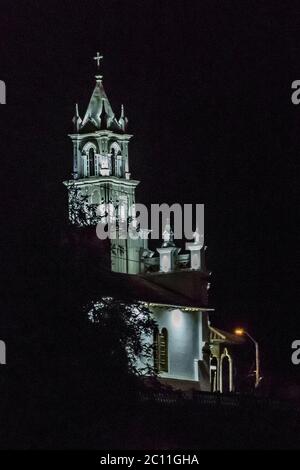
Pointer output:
x,y
172,283
185,334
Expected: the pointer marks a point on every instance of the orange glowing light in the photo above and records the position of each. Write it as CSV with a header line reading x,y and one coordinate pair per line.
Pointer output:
x,y
239,331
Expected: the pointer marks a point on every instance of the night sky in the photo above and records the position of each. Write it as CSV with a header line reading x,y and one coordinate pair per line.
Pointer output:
x,y
206,87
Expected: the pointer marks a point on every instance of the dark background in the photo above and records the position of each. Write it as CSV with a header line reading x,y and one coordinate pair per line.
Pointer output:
x,y
206,86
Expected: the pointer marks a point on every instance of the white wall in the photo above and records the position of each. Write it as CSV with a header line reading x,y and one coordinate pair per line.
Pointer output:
x,y
184,338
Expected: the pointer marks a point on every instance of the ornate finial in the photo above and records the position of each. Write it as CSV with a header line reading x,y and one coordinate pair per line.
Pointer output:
x,y
123,120
76,119
168,235
98,58
198,238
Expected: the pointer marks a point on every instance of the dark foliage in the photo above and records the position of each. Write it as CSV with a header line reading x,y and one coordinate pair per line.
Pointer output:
x,y
70,381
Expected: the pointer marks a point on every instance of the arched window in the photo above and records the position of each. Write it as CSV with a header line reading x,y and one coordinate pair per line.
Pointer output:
x,y
160,351
116,159
92,161
113,162
89,159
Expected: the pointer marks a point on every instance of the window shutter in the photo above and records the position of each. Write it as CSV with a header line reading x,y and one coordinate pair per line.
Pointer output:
x,y
163,351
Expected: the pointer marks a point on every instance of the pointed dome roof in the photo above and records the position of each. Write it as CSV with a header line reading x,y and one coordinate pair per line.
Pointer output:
x,y
99,113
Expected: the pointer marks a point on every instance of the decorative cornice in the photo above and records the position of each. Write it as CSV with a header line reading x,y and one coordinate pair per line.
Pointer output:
x,y
101,179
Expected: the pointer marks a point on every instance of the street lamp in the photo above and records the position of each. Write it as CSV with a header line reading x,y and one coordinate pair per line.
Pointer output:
x,y
242,332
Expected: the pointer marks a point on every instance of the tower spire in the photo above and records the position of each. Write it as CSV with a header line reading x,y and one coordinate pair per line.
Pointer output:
x,y
99,113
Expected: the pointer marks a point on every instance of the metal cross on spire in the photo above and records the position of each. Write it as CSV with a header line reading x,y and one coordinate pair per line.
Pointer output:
x,y
97,58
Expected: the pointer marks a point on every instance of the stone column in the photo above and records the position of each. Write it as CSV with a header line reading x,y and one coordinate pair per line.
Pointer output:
x,y
195,249
166,258
76,159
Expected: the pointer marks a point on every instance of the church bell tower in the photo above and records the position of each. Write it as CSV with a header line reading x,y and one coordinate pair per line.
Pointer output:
x,y
101,169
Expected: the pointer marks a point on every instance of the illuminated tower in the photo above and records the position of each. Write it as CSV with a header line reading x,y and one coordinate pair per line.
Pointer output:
x,y
101,168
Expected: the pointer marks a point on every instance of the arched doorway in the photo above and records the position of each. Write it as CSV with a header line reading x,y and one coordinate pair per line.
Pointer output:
x,y
226,380
214,374
225,375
